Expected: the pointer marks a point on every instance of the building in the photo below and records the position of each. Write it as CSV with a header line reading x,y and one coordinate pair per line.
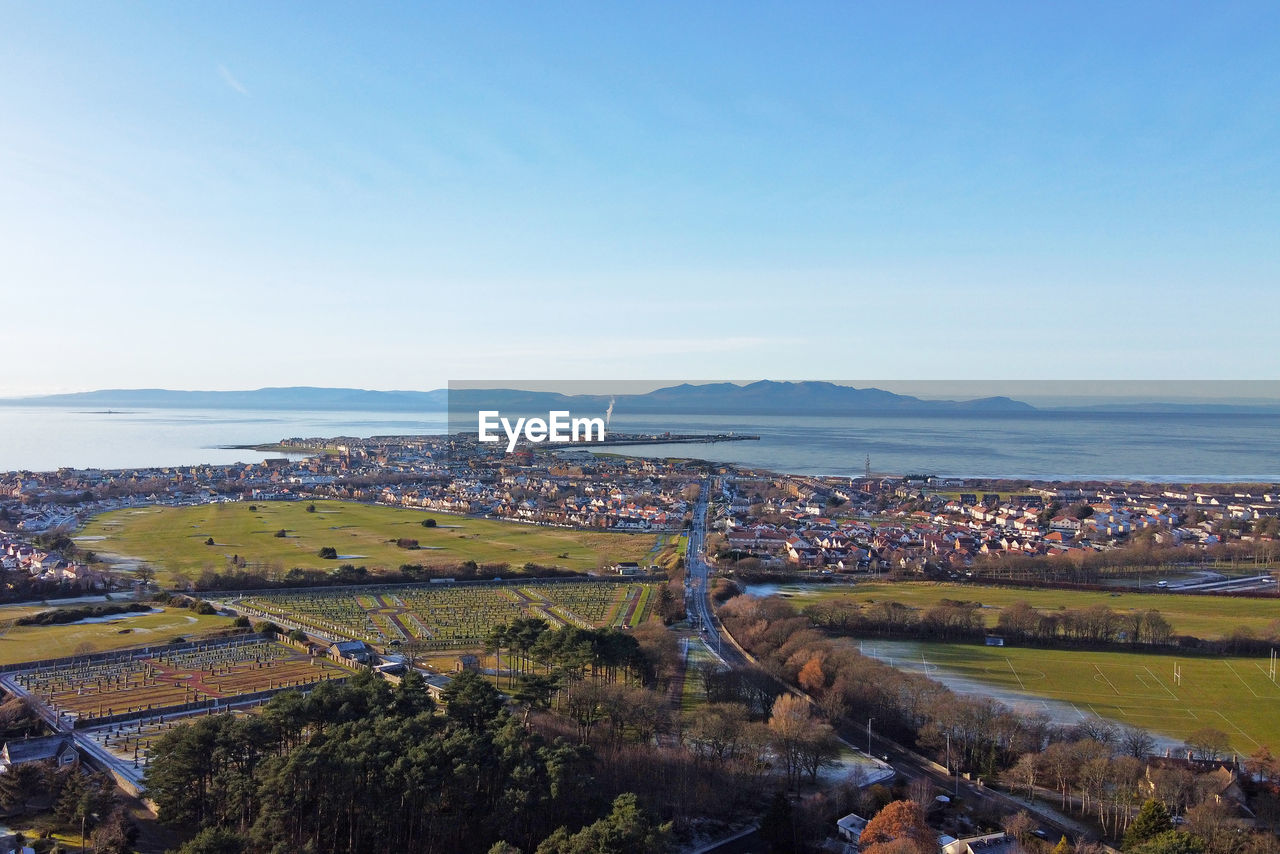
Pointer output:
x,y
991,843
59,748
850,829
351,652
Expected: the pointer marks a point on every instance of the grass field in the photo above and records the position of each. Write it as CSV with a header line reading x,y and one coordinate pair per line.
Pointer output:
x,y
1234,695
173,538
28,643
1202,616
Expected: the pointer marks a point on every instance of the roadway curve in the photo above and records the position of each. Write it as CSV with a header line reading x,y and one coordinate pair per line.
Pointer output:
x,y
902,759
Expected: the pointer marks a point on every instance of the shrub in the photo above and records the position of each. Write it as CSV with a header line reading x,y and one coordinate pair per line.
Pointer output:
x,y
329,553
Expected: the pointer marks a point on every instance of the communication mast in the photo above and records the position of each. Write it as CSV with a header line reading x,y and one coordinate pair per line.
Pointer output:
x,y
868,467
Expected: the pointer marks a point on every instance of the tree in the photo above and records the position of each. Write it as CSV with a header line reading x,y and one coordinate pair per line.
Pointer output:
x,y
22,783
1153,819
1063,847
1020,826
327,552
1137,742
209,542
311,508
627,829
471,701
1171,842
282,533
428,523
214,840
901,821
1210,743
116,834
777,825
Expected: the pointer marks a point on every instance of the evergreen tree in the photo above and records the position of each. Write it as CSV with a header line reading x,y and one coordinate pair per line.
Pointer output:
x,y
627,829
1171,842
1153,820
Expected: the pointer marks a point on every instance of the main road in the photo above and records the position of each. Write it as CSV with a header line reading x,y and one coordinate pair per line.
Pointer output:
x,y
904,761
697,591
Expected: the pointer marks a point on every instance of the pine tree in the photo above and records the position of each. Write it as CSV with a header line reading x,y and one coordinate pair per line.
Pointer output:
x,y
1153,820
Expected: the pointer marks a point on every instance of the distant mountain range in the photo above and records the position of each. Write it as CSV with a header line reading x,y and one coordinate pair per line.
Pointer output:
x,y
758,398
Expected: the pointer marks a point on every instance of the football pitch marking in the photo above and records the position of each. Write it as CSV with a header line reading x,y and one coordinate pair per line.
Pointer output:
x,y
1236,728
1160,683
1242,682
1108,681
1015,674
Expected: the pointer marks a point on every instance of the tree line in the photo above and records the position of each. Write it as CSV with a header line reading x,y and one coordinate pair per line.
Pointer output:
x,y
364,766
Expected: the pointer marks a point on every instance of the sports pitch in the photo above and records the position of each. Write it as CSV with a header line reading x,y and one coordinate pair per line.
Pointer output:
x,y
1235,695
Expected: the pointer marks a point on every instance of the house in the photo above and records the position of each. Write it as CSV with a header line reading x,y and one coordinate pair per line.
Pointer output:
x,y
850,829
991,843
628,567
59,748
351,652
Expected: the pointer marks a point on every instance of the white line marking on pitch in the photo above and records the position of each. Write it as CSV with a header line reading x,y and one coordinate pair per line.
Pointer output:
x,y
1015,675
1242,682
1108,681
1158,682
1236,728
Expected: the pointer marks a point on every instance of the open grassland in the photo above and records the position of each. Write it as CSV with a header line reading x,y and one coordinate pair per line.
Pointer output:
x,y
174,538
30,643
444,615
1202,616
1234,695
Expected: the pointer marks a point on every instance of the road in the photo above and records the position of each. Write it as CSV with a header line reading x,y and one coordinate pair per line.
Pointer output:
x,y
697,591
903,760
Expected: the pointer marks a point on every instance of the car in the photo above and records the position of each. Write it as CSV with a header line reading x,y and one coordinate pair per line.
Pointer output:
x,y
1039,834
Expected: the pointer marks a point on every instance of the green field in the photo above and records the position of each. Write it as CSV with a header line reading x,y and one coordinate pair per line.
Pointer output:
x,y
173,538
1202,616
1234,695
29,643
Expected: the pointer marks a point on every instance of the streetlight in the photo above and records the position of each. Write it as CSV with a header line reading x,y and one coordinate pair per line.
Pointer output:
x,y
869,720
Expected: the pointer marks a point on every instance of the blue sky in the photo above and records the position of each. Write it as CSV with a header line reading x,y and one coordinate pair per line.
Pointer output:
x,y
390,196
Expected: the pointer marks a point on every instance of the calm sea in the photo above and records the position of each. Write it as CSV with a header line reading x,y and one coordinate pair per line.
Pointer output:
x,y
1043,445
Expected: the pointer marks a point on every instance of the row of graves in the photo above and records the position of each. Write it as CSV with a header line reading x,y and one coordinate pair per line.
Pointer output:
x,y
443,615
133,684
117,704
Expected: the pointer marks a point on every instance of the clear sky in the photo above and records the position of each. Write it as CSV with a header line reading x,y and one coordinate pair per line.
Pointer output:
x,y
232,195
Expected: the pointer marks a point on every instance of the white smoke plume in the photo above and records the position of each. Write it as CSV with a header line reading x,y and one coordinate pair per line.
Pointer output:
x,y
608,413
